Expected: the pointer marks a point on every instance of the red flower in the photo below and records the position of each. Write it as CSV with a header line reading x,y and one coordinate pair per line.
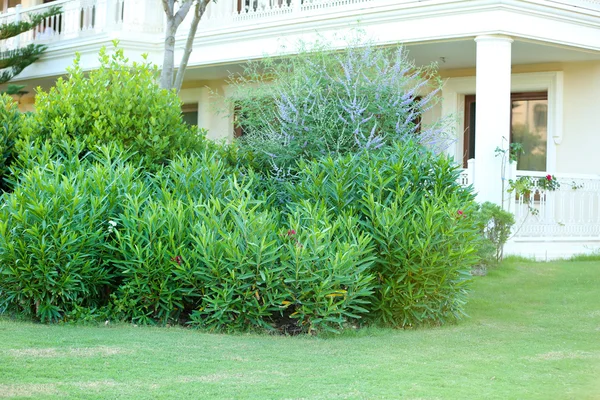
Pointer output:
x,y
177,259
460,212
549,177
291,232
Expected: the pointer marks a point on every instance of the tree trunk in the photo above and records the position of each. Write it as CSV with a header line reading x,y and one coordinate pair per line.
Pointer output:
x,y
173,22
168,67
198,13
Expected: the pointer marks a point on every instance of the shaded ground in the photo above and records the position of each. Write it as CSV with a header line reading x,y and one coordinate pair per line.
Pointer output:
x,y
534,333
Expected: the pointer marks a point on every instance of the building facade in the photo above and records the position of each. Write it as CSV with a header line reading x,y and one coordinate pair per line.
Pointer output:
x,y
524,71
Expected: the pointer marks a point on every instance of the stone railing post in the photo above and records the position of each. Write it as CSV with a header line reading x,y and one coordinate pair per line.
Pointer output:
x,y
17,40
72,15
471,170
103,14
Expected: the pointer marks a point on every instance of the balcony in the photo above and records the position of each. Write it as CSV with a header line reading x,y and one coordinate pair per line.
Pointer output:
x,y
228,22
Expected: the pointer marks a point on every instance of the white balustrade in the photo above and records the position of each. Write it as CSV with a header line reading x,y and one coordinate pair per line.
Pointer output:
x,y
86,17
465,178
572,210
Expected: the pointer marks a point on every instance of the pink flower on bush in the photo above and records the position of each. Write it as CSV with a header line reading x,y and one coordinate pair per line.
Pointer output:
x,y
549,177
291,232
460,212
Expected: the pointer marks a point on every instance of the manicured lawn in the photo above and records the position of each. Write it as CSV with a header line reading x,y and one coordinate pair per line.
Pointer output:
x,y
534,333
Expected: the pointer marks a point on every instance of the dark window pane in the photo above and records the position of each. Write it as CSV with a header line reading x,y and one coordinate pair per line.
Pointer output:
x,y
190,117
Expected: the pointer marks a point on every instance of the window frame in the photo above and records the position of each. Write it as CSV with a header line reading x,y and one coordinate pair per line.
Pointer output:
x,y
514,96
455,90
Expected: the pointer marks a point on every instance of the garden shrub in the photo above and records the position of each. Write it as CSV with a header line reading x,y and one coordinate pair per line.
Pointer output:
x,y
204,248
326,101
350,215
495,225
11,121
425,252
326,264
118,102
240,270
54,229
419,219
157,249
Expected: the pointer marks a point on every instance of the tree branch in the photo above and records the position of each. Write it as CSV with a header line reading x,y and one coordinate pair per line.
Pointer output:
x,y
168,7
182,12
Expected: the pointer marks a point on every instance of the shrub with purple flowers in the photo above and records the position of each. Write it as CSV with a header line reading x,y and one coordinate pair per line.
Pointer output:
x,y
324,102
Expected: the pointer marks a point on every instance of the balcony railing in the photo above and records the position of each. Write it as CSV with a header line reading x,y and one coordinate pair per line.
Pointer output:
x,y
82,18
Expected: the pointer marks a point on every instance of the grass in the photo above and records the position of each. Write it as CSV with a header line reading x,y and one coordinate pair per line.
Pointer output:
x,y
534,333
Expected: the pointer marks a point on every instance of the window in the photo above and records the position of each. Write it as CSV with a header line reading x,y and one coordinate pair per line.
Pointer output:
x,y
529,126
189,114
6,4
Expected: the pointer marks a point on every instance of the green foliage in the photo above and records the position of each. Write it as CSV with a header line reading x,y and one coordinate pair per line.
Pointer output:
x,y
117,103
425,250
11,121
326,261
16,28
495,225
53,232
156,226
326,101
204,247
526,185
418,217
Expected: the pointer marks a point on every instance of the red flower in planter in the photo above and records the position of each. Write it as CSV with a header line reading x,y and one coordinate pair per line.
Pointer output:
x,y
549,177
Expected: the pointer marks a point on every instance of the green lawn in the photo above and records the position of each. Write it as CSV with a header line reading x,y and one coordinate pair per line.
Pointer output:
x,y
534,333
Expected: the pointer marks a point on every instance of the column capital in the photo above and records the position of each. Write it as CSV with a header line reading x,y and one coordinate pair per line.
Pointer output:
x,y
493,38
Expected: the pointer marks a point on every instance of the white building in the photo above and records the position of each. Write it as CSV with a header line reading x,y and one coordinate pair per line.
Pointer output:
x,y
526,68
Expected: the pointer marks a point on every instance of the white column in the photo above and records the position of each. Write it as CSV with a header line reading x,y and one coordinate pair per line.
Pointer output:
x,y
492,121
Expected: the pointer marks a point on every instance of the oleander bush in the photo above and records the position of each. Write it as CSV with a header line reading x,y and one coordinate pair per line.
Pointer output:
x,y
420,221
11,122
54,228
204,249
385,236
326,267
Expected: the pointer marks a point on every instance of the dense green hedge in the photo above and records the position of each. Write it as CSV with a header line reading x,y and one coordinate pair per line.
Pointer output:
x,y
198,242
123,213
420,220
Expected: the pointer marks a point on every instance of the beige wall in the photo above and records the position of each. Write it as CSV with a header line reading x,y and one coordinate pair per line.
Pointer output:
x,y
578,152
213,114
